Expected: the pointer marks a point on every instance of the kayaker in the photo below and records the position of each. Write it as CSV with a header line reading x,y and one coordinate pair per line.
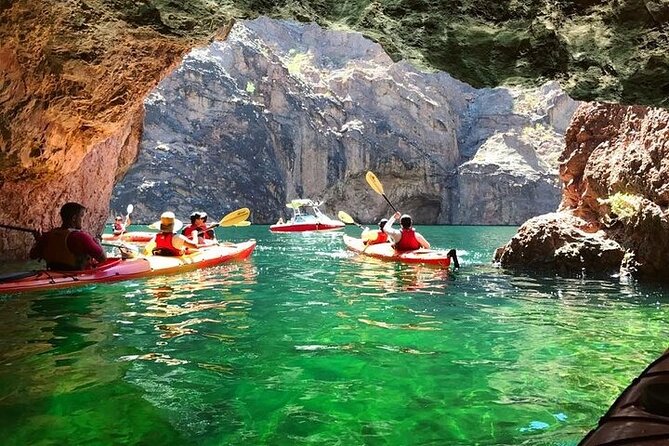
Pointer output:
x,y
166,242
68,248
405,239
119,226
377,236
198,225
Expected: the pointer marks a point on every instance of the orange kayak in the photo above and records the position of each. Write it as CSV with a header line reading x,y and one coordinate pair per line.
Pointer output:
x,y
117,269
385,251
130,237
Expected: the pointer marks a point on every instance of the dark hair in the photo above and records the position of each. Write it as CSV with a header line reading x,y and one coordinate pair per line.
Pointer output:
x,y
405,221
70,209
195,215
382,223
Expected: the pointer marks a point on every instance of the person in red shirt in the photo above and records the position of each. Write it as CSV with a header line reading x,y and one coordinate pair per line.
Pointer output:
x,y
68,248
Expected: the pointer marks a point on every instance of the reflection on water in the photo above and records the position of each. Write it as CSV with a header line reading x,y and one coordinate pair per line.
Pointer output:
x,y
307,343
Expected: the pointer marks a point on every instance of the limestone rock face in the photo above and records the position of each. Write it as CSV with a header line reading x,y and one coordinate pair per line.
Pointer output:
x,y
282,110
616,171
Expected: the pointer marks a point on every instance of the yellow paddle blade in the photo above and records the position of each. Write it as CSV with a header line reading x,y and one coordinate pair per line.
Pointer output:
x,y
243,223
343,216
369,236
374,182
235,217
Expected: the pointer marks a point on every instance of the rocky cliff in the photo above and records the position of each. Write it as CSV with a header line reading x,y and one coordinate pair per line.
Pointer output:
x,y
614,214
282,110
74,74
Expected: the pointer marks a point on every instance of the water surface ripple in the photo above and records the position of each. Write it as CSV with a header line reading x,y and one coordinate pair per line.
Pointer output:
x,y
306,343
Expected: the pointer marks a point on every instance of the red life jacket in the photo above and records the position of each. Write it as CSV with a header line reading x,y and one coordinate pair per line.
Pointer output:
x,y
188,230
204,233
381,237
408,242
164,245
56,253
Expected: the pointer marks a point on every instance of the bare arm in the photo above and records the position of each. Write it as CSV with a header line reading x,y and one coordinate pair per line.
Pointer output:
x,y
395,234
424,243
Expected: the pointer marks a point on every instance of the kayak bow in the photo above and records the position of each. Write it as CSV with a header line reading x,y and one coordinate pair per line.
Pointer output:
x,y
117,269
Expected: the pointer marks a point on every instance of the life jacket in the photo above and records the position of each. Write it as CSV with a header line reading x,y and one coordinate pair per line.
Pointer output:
x,y
204,233
381,237
408,242
56,253
164,245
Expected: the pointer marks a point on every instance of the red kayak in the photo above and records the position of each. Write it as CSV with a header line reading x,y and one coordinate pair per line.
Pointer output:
x,y
130,237
385,251
116,269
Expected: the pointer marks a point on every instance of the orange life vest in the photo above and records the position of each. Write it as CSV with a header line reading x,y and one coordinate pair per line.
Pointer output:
x,y
56,253
164,245
381,237
408,242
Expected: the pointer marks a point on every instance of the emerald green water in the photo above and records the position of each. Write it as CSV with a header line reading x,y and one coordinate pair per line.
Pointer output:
x,y
306,343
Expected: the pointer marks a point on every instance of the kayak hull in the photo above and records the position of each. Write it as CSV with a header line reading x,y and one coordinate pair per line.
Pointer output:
x,y
639,415
116,269
130,237
307,227
385,251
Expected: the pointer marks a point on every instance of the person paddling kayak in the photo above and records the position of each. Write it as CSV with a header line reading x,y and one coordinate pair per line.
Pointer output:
x,y
68,248
405,239
198,224
119,227
376,236
166,242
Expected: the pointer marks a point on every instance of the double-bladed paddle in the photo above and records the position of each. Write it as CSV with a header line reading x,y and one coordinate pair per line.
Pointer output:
x,y
375,184
343,216
366,233
234,218
19,228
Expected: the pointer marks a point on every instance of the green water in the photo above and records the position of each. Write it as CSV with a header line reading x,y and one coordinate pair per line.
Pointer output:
x,y
307,344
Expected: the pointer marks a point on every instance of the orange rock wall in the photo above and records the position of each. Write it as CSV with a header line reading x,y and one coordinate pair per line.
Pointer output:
x,y
73,77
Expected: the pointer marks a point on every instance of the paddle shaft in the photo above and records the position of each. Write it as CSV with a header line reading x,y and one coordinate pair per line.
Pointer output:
x,y
128,211
391,205
18,228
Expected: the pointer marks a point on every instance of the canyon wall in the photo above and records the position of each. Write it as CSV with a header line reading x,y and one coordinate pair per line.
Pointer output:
x,y
282,110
